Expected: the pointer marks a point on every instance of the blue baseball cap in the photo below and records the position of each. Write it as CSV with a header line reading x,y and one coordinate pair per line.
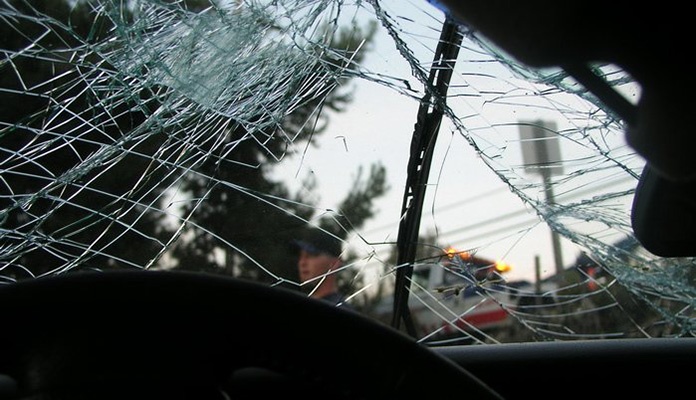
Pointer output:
x,y
315,241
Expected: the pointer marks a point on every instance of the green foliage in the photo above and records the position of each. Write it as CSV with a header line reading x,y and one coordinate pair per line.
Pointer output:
x,y
259,216
48,217
348,46
58,214
357,207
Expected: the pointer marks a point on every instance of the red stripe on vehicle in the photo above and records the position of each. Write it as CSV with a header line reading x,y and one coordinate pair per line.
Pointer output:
x,y
482,318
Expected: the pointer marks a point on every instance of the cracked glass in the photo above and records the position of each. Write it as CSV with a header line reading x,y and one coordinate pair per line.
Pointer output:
x,y
474,199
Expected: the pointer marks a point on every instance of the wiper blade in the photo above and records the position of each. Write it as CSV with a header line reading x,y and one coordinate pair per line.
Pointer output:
x,y
428,120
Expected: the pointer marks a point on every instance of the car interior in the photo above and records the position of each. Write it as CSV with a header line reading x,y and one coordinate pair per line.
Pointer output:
x,y
89,313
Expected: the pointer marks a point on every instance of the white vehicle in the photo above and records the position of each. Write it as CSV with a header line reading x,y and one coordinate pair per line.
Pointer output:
x,y
462,294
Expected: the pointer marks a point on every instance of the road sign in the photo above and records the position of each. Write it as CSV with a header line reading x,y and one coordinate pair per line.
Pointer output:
x,y
541,151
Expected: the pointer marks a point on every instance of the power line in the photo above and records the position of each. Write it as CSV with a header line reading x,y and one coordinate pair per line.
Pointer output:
x,y
575,194
509,226
443,208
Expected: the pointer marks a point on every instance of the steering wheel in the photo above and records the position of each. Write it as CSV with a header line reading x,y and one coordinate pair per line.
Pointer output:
x,y
179,335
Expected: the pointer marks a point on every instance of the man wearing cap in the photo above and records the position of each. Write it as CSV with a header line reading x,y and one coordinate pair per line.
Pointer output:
x,y
318,261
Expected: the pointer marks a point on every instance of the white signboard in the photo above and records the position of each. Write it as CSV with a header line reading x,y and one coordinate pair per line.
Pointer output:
x,y
541,151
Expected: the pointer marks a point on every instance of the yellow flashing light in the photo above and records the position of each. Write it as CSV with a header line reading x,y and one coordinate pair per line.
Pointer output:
x,y
502,267
451,252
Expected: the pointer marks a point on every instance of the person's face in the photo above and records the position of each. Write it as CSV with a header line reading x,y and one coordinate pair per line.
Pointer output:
x,y
312,265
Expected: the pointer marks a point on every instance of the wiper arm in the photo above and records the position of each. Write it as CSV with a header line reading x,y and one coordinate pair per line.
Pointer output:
x,y
427,125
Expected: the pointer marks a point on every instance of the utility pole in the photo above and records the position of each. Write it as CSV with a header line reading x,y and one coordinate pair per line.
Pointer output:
x,y
541,154
537,274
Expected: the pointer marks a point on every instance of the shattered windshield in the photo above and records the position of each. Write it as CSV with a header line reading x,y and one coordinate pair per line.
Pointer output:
x,y
473,199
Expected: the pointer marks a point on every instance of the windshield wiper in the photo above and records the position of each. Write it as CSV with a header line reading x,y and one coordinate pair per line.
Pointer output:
x,y
428,120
